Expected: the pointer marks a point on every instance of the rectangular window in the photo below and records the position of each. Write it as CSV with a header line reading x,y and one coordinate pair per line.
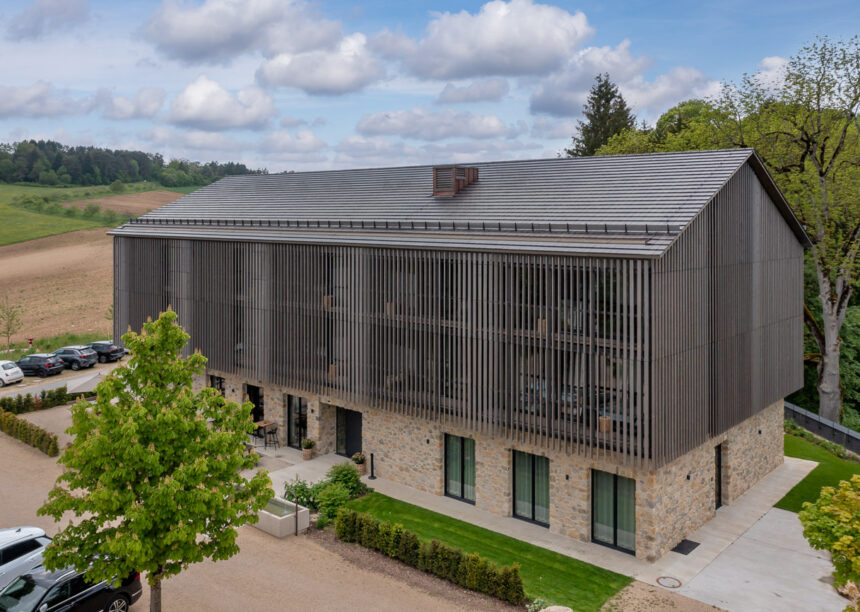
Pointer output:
x,y
613,510
217,383
460,468
531,487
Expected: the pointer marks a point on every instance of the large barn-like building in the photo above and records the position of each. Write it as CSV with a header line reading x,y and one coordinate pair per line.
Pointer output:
x,y
599,345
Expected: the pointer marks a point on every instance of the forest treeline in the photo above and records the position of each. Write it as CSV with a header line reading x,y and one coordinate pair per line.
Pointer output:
x,y
47,162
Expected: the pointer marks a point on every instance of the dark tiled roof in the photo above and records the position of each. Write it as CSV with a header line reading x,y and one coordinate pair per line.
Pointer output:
x,y
632,205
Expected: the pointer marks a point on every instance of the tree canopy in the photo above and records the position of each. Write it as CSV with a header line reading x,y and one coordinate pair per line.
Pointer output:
x,y
804,125
50,163
153,474
606,114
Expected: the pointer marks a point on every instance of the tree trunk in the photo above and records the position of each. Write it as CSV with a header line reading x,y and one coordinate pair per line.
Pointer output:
x,y
155,595
834,304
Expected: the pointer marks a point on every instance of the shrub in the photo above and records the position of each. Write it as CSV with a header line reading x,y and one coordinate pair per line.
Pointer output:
x,y
117,186
308,443
91,210
28,433
329,501
468,570
359,458
347,475
301,492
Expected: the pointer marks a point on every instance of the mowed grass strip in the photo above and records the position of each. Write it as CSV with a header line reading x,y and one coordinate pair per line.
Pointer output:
x,y
546,574
830,470
21,225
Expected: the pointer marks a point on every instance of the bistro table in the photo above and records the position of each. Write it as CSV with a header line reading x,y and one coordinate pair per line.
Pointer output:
x,y
262,427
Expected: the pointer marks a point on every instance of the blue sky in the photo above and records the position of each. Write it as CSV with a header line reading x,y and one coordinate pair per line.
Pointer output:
x,y
290,84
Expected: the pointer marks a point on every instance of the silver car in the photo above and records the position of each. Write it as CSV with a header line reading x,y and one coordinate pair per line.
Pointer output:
x,y
20,551
10,373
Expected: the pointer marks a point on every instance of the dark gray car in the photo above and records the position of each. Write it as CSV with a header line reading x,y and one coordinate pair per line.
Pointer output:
x,y
77,357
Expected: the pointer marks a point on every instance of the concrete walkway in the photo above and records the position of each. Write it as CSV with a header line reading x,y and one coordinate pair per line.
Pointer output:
x,y
703,569
769,567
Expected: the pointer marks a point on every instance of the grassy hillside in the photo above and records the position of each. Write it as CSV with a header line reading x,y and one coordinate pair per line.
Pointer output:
x,y
20,225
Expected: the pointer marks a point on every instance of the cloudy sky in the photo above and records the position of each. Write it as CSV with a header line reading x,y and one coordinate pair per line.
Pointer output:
x,y
290,84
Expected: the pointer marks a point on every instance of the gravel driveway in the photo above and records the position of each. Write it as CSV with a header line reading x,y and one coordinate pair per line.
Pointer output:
x,y
268,574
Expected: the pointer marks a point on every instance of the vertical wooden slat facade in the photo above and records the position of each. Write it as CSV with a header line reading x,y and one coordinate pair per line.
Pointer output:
x,y
728,318
430,334
635,360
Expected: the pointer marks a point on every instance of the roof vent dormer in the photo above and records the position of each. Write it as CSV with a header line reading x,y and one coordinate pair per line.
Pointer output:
x,y
448,180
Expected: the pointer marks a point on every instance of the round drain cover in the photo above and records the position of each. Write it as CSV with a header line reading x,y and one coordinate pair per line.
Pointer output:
x,y
668,582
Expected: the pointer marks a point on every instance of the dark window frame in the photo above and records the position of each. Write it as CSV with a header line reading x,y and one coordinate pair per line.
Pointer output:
x,y
532,463
462,441
613,546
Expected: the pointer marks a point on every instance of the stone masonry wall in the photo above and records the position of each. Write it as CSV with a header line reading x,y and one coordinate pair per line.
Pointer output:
x,y
671,502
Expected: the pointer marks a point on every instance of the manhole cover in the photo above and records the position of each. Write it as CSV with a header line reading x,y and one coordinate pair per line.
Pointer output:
x,y
668,582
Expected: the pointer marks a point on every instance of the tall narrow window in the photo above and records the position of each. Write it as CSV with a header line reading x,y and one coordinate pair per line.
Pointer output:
x,y
613,510
460,468
297,420
531,487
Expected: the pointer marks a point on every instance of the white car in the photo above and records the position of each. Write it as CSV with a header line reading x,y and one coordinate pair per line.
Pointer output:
x,y
20,551
10,373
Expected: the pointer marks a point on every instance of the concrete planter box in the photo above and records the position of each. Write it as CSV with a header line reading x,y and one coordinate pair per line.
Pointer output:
x,y
278,518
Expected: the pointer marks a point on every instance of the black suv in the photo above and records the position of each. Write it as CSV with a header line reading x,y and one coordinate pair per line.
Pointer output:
x,y
77,357
41,364
68,591
107,350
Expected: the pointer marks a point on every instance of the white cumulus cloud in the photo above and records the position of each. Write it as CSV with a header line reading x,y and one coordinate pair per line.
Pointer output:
x,y
146,103
347,68
478,91
771,72
206,105
216,31
514,38
45,16
422,124
42,99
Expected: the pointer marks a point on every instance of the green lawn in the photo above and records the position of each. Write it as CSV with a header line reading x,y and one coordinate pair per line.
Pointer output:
x,y
830,470
546,574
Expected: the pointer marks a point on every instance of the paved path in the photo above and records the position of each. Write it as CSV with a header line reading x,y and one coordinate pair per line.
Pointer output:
x,y
770,567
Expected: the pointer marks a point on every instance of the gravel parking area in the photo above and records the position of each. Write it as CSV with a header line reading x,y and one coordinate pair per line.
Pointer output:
x,y
268,574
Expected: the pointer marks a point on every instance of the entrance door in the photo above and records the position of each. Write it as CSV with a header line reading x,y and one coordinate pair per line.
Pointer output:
x,y
297,420
348,432
718,476
613,510
255,396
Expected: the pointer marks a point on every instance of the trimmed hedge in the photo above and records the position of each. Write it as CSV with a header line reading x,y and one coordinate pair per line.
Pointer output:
x,y
28,433
467,570
21,404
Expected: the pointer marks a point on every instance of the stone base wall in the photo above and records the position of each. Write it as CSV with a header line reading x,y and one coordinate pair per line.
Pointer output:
x,y
671,502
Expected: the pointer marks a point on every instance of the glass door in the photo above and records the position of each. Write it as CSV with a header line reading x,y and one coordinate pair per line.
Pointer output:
x,y
613,510
297,420
531,487
460,468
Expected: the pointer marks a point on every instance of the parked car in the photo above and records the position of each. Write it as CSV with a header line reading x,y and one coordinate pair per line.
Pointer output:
x,y
77,357
20,551
10,373
41,364
39,590
107,350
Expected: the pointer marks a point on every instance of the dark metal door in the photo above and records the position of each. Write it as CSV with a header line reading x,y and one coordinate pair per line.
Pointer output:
x,y
348,432
718,476
255,396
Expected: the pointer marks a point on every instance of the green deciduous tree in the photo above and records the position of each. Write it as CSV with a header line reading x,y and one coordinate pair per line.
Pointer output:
x,y
10,321
606,114
152,476
805,128
804,125
833,523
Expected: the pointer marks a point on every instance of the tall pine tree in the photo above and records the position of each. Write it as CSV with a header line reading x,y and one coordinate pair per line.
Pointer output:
x,y
606,114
